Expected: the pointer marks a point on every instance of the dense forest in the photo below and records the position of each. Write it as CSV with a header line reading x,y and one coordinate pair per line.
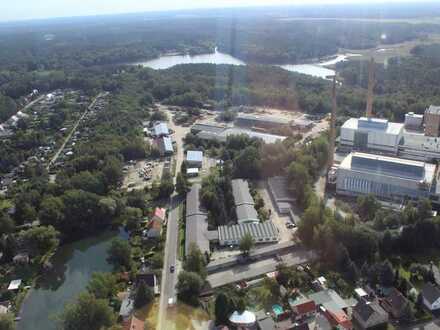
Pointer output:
x,y
402,84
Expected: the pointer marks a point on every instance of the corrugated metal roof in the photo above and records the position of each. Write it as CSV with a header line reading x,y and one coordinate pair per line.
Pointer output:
x,y
240,190
259,231
167,144
263,119
196,221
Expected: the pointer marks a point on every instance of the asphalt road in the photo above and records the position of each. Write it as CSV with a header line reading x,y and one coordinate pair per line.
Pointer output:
x,y
169,280
257,268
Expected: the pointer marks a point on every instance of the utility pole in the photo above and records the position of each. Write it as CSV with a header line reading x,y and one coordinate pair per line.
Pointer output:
x,y
369,111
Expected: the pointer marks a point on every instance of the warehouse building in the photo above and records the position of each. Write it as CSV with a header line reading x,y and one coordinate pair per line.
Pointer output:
x,y
247,120
221,136
279,191
244,203
265,232
165,146
388,178
196,231
161,129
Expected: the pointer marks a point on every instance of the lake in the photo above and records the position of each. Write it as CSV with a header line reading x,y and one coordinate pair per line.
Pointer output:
x,y
315,69
73,266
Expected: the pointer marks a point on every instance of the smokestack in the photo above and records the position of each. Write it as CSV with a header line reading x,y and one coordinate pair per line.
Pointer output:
x,y
369,112
331,153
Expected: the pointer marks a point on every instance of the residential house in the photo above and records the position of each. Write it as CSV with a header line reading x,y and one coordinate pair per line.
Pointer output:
x,y
302,307
159,214
367,315
333,307
264,321
395,304
149,278
154,229
133,323
127,307
431,296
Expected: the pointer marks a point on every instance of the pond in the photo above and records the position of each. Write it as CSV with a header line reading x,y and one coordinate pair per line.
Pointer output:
x,y
318,69
73,266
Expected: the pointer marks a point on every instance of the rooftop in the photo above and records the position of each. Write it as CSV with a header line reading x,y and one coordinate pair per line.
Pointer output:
x,y
430,292
433,109
259,231
374,124
194,156
269,119
246,212
196,221
389,166
240,190
161,129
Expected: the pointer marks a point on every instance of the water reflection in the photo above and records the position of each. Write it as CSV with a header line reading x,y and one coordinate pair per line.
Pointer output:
x,y
73,266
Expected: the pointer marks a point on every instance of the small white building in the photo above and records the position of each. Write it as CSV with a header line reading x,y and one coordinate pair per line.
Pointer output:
x,y
431,297
194,158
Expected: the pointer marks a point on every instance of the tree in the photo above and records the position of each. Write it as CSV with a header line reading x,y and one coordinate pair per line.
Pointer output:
x,y
52,211
7,225
87,312
222,309
298,178
386,274
424,208
41,240
144,295
7,322
367,207
102,285
195,261
248,164
166,187
284,274
181,184
119,254
246,244
189,285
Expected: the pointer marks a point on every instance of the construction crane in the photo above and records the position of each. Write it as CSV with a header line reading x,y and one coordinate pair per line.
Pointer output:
x,y
369,110
332,127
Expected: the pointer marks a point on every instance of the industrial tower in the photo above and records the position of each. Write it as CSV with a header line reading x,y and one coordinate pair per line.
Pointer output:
x,y
369,111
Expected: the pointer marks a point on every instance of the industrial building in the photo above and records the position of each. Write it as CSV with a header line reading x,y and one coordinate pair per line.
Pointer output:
x,y
165,146
244,203
371,134
387,178
161,129
221,136
279,191
196,231
417,138
268,122
265,232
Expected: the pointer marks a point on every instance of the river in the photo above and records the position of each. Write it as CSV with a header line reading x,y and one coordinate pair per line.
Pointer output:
x,y
319,69
73,266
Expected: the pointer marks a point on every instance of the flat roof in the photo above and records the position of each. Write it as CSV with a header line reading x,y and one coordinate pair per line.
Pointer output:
x,y
373,124
259,231
196,221
194,156
391,166
167,144
161,129
262,118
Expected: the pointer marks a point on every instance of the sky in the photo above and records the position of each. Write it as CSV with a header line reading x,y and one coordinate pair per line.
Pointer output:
x,y
11,10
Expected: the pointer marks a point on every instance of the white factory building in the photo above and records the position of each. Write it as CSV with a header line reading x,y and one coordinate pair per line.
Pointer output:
x,y
418,138
389,178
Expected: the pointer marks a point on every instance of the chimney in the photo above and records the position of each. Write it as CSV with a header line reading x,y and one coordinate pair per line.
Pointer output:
x,y
332,127
369,112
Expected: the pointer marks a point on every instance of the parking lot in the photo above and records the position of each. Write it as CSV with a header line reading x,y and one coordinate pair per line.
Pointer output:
x,y
279,220
141,174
